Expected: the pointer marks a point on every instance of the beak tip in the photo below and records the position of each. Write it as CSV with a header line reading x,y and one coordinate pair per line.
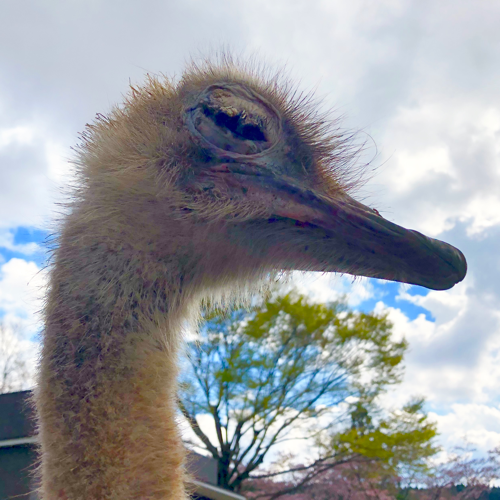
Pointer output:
x,y
453,265
460,266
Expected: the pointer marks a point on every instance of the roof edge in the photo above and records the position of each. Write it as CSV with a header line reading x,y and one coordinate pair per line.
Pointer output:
x,y
214,492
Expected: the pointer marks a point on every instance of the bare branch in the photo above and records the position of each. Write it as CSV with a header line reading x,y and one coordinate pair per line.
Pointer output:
x,y
199,433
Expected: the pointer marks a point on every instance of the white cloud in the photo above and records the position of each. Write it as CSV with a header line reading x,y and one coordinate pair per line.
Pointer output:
x,y
447,306
32,170
474,423
21,135
444,166
22,284
330,287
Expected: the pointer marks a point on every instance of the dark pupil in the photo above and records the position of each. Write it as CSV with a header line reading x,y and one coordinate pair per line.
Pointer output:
x,y
238,127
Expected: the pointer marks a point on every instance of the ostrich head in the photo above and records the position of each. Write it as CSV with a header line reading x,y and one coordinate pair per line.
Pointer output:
x,y
236,176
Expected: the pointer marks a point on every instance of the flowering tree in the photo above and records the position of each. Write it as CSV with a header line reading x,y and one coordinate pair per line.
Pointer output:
x,y
462,477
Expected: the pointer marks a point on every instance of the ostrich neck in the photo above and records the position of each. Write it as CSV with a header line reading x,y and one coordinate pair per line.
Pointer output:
x,y
107,385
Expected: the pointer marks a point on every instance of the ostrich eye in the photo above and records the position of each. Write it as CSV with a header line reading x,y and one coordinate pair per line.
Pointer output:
x,y
233,120
240,124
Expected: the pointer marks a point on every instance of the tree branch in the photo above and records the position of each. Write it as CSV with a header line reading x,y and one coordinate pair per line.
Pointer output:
x,y
199,433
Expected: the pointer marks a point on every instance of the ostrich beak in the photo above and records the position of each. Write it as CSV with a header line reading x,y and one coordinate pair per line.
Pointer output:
x,y
378,248
372,246
362,242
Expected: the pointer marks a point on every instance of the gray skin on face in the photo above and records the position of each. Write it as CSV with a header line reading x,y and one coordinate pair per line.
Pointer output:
x,y
248,149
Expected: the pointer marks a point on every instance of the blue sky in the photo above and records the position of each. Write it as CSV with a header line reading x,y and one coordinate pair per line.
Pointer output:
x,y
389,294
418,79
22,236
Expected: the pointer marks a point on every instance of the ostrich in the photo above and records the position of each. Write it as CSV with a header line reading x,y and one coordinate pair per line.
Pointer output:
x,y
190,190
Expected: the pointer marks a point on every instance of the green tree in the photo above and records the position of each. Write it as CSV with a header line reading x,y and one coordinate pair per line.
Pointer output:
x,y
286,363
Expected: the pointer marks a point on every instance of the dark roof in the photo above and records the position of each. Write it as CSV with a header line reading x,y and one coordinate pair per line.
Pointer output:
x,y
202,468
16,415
